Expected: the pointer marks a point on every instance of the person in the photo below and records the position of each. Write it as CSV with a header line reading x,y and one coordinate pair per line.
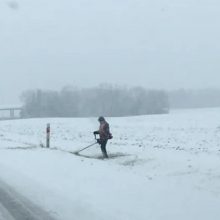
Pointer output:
x,y
104,135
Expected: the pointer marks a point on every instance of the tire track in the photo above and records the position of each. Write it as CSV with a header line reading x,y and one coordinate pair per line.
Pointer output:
x,y
16,207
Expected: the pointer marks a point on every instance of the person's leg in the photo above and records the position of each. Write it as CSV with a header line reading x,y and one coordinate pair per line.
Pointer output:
x,y
103,148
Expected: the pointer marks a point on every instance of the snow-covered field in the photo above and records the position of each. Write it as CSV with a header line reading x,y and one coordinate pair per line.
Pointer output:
x,y
162,166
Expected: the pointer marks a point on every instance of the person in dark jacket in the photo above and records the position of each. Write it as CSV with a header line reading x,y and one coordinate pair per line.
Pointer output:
x,y
104,134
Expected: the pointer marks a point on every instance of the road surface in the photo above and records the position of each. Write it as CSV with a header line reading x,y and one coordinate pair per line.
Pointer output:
x,y
13,206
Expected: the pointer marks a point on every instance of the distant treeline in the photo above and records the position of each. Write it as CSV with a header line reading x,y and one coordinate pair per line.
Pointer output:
x,y
103,100
203,98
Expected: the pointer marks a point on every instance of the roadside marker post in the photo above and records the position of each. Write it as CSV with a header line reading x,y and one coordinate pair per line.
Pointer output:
x,y
48,136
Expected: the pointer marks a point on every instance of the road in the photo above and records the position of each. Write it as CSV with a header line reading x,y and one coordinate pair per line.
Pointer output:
x,y
13,206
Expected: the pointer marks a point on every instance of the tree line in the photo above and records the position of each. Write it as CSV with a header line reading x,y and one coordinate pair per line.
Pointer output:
x,y
201,98
104,100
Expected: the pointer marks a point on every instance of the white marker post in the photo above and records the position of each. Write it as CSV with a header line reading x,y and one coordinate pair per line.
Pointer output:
x,y
48,136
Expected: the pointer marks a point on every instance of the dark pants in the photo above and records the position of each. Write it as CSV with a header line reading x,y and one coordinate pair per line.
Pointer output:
x,y
103,144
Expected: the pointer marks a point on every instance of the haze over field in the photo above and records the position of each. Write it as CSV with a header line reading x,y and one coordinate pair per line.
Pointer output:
x,y
157,44
148,70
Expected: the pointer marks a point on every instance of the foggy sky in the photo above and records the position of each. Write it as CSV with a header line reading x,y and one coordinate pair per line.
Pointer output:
x,y
166,44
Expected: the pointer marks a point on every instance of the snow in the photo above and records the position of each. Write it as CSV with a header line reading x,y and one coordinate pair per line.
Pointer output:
x,y
168,166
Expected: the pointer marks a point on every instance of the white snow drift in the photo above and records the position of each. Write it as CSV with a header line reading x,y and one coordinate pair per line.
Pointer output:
x,y
162,166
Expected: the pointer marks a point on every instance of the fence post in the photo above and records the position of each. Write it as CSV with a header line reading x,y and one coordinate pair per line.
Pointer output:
x,y
48,136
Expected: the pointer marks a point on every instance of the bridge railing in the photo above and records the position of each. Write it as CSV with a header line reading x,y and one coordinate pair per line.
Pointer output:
x,y
10,113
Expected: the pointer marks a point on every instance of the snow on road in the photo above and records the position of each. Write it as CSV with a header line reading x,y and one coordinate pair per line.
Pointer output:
x,y
15,207
162,166
4,214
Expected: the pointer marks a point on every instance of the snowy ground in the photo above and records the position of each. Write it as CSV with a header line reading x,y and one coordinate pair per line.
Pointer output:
x,y
162,167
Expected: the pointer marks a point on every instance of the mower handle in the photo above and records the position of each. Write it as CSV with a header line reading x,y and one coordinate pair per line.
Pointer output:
x,y
95,136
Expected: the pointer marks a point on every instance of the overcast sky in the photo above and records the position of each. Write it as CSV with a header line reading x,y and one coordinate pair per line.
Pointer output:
x,y
165,44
